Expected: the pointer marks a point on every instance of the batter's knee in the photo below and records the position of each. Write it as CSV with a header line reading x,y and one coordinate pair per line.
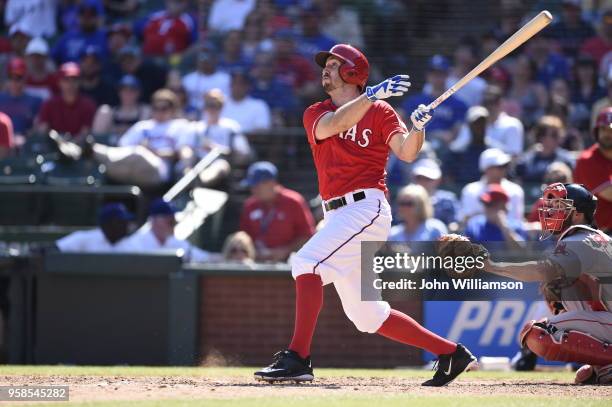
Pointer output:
x,y
368,316
302,264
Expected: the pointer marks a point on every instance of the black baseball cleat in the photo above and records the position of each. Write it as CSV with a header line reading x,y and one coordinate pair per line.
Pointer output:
x,y
448,367
287,366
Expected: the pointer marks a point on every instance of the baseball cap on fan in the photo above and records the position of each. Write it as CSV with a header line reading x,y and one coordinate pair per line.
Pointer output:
x,y
439,63
159,207
492,157
70,70
37,46
114,210
476,112
427,168
16,67
495,193
259,172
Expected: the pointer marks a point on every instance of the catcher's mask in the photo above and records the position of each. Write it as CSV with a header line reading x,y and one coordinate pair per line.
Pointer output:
x,y
555,208
558,203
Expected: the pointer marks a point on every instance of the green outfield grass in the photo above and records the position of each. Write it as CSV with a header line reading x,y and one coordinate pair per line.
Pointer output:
x,y
305,398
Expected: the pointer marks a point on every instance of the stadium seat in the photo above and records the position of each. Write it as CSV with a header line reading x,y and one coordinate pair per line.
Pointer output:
x,y
82,172
20,170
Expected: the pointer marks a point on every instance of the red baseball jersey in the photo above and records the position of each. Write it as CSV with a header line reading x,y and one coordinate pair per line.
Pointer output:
x,y
595,172
165,35
356,158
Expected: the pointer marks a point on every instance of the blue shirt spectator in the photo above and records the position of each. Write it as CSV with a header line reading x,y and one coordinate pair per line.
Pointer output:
x,y
494,225
71,45
19,106
312,40
571,30
278,95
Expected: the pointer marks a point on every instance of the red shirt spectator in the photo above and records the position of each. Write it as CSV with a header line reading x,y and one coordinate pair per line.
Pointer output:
x,y
594,170
6,135
277,219
601,44
168,32
292,68
69,112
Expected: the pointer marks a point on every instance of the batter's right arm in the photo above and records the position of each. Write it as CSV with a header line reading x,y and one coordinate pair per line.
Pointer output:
x,y
347,115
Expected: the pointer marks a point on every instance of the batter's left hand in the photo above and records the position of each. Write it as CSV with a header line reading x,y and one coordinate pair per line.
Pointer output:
x,y
421,117
395,86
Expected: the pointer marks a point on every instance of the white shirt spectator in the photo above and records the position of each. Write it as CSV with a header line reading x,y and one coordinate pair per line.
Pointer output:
x,y
33,17
159,137
344,27
506,133
252,114
226,133
196,84
88,241
471,205
144,241
228,15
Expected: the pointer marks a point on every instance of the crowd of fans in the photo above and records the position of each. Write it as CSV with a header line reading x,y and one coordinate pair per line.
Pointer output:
x,y
169,85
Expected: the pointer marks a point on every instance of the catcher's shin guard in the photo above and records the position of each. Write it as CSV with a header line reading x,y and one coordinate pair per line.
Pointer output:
x,y
566,346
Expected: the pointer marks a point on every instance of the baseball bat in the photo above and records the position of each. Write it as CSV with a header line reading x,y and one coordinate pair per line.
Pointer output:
x,y
534,26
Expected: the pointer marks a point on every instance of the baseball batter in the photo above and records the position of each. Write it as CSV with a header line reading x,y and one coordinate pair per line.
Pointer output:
x,y
576,282
350,135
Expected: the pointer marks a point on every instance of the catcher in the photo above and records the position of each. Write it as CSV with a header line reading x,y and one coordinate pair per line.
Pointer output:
x,y
573,277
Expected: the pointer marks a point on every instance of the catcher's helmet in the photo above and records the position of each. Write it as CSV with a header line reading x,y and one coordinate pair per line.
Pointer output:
x,y
355,67
560,200
604,119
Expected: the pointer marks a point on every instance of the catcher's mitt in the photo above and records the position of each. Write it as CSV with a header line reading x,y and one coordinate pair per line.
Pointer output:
x,y
456,246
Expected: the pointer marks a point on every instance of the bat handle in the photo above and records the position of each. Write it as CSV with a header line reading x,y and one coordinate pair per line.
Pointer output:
x,y
442,98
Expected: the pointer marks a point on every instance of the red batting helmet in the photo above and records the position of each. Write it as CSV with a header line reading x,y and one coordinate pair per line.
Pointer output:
x,y
604,119
355,67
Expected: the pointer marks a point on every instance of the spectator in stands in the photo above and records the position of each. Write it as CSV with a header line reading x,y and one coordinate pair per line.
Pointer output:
x,y
68,12
19,41
503,131
555,172
277,219
252,114
118,36
585,91
146,152
70,46
206,77
594,169
41,80
254,40
427,173
549,64
549,133
239,248
571,30
120,9
151,75
109,236
341,22
292,68
169,31
462,163
7,139
218,131
529,95
272,18
493,164
228,15
495,225
560,107
69,112
312,40
465,58
33,17
21,107
604,102
117,120
93,81
278,96
157,236
415,212
232,57
599,45
449,115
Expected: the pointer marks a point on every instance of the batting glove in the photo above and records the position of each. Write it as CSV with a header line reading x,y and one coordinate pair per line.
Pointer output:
x,y
420,117
396,86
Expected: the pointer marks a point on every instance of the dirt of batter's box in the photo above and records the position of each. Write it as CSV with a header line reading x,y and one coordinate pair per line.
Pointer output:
x,y
96,388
